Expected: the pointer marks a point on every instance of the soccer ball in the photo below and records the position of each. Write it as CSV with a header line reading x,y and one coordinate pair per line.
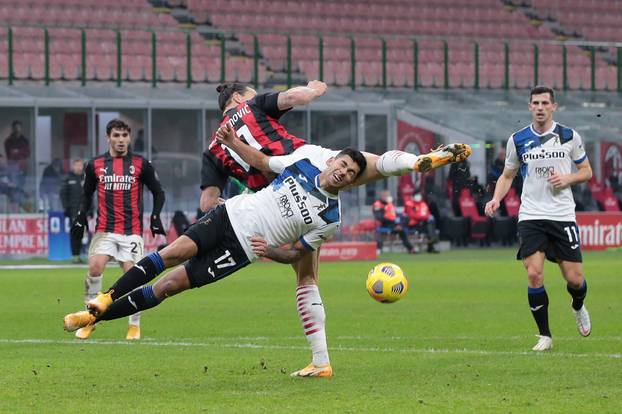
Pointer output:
x,y
386,283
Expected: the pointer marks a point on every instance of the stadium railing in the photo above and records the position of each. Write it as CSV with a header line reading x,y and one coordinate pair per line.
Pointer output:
x,y
347,61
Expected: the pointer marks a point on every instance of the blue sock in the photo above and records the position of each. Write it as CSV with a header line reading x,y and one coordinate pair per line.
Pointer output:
x,y
137,300
142,272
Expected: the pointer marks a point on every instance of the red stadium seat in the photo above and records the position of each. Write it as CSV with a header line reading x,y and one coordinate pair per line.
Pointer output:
x,y
512,203
468,208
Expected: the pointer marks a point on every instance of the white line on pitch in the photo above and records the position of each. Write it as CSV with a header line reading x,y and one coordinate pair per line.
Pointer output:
x,y
592,338
293,347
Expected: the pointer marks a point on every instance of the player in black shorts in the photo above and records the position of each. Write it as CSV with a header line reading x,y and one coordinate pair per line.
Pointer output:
x,y
545,152
233,234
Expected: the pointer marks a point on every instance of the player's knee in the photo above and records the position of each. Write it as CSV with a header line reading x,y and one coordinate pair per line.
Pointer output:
x,y
166,287
96,269
575,279
173,254
535,277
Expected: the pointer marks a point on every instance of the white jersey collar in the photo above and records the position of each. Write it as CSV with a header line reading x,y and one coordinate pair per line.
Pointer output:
x,y
544,133
326,193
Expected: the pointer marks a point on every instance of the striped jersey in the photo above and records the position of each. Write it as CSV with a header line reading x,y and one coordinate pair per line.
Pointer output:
x,y
118,182
256,123
292,208
538,156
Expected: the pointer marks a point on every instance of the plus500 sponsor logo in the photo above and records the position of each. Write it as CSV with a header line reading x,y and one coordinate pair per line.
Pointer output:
x,y
546,155
299,199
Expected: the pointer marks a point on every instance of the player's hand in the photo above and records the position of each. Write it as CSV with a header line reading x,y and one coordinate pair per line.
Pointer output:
x,y
558,180
78,226
156,225
319,86
226,135
259,245
491,207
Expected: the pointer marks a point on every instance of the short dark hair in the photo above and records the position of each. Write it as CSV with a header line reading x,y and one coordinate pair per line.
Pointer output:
x,y
357,156
16,122
540,89
226,90
117,124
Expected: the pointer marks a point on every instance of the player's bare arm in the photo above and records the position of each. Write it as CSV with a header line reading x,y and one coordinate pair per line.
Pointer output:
x,y
301,95
501,189
278,254
583,174
210,198
226,135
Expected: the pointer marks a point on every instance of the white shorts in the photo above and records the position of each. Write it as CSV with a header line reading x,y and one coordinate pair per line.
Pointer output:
x,y
124,248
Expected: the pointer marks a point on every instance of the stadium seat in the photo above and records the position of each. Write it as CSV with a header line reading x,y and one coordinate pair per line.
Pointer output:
x,y
368,21
479,225
504,230
364,229
607,201
512,203
456,230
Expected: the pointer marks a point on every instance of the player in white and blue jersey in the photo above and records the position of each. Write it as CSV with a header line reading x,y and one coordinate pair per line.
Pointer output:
x,y
300,207
545,152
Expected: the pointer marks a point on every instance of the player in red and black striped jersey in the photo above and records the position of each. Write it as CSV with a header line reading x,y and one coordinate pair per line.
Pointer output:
x,y
118,178
255,119
119,183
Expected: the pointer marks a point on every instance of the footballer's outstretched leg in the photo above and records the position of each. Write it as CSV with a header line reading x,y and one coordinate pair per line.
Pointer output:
x,y
443,155
396,163
312,316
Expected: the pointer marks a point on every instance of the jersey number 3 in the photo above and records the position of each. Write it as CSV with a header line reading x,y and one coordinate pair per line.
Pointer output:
x,y
245,133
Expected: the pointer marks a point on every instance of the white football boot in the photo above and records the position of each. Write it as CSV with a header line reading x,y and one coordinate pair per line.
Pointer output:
x,y
584,325
544,343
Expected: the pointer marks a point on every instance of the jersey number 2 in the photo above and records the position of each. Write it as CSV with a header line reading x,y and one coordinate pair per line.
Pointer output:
x,y
245,133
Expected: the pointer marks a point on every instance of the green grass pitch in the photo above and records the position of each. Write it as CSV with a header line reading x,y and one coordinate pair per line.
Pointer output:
x,y
459,342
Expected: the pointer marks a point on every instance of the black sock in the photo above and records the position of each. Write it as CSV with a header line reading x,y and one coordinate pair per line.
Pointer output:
x,y
142,272
137,300
539,304
578,295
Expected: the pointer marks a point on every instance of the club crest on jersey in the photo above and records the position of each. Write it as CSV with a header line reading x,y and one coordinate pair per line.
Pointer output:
x,y
132,169
320,207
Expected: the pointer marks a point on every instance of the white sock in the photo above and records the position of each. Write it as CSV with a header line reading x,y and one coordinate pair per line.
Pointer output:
x,y
135,319
92,286
312,317
396,163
